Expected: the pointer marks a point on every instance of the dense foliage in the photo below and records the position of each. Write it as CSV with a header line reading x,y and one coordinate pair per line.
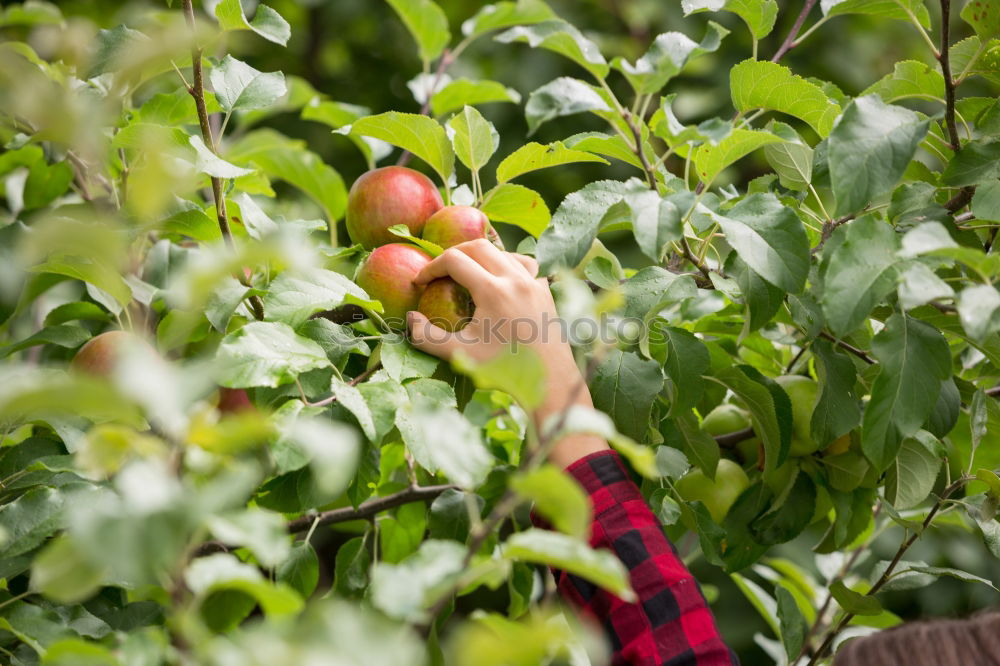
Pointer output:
x,y
367,504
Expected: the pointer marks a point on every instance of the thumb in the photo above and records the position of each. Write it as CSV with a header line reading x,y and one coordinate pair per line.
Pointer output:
x,y
431,338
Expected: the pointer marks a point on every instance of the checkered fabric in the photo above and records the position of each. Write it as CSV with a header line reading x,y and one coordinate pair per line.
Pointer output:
x,y
670,624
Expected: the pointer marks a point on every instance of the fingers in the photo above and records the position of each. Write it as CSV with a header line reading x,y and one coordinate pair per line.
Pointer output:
x,y
529,263
459,266
488,255
430,338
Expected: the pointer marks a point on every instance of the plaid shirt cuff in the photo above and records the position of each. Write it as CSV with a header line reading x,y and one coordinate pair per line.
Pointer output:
x,y
671,622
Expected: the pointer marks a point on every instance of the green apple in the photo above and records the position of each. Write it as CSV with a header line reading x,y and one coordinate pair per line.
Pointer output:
x,y
387,274
803,392
446,304
456,224
725,419
718,496
385,197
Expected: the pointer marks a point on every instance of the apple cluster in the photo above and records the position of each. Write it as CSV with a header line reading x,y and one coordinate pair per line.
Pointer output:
x,y
394,195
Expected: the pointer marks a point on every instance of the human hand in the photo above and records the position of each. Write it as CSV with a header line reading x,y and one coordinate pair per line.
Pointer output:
x,y
514,307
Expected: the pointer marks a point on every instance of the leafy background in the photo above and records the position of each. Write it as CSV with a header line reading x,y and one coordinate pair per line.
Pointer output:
x,y
359,52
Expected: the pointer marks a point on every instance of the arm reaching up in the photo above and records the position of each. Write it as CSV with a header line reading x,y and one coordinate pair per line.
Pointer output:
x,y
670,623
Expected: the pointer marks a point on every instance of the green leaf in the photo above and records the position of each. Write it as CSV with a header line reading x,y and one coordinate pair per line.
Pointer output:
x,y
976,163
557,497
656,221
958,574
262,532
300,570
870,148
913,471
474,138
267,23
770,238
904,10
759,15
287,159
792,624
427,23
914,359
449,515
441,439
986,202
573,556
295,295
604,144
686,361
420,135
758,84
625,386
711,159
351,568
29,520
223,572
501,15
561,97
573,228
979,311
837,410
62,335
462,92
517,205
762,602
860,271
854,602
702,449
534,156
792,160
240,87
983,16
562,38
761,404
266,354
909,79
404,590
63,574
516,371
402,361
666,58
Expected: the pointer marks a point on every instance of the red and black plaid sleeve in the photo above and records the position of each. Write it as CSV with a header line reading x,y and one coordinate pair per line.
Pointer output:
x,y
670,624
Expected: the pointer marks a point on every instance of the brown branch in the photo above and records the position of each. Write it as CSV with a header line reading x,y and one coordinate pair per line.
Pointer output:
x,y
960,200
887,574
443,63
949,83
345,514
729,440
197,91
369,508
689,255
789,42
993,392
848,347
639,152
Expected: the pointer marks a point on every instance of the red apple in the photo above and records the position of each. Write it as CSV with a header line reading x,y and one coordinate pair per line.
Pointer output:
x,y
232,401
102,352
447,304
386,197
456,224
387,275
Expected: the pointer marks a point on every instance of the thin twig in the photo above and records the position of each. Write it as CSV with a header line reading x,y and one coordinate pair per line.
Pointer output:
x,y
993,392
443,63
689,255
848,347
729,440
949,83
887,574
789,42
639,152
197,91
